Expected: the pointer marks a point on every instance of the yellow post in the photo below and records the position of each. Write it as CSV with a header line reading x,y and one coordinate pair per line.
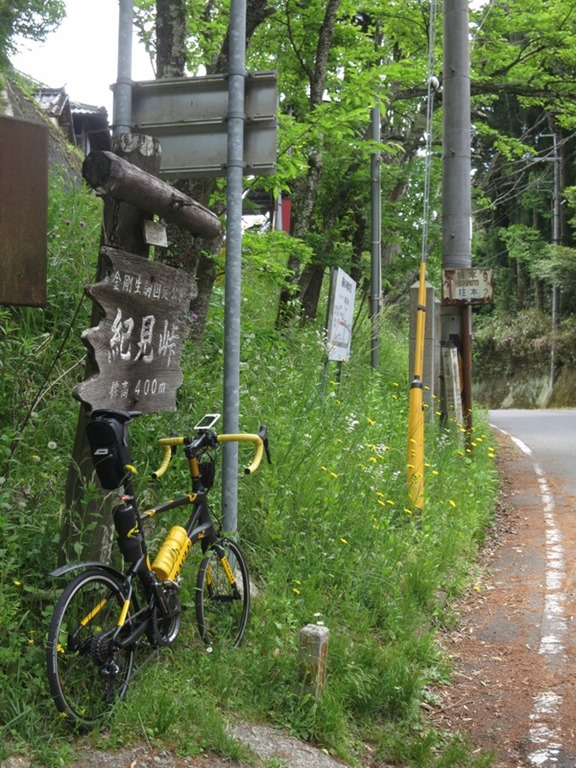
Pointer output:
x,y
415,452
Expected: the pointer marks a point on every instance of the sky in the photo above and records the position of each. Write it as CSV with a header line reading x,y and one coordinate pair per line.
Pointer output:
x,y
82,54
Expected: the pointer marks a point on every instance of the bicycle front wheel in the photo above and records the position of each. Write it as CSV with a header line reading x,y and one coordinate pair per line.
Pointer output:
x,y
87,669
223,595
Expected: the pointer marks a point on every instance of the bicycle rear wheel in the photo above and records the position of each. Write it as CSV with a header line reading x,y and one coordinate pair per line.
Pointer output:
x,y
223,595
87,670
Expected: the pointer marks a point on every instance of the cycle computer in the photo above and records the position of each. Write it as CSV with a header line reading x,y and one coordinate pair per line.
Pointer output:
x,y
207,422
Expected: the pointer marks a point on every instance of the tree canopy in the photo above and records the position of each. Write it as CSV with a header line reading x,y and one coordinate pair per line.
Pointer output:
x,y
31,19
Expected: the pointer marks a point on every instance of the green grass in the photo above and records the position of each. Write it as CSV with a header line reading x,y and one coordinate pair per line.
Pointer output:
x,y
327,529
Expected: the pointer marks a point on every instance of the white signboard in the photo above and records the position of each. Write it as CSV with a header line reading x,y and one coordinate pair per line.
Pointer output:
x,y
340,315
467,286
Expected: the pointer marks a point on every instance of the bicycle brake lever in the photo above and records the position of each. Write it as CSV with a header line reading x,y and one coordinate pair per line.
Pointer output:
x,y
263,434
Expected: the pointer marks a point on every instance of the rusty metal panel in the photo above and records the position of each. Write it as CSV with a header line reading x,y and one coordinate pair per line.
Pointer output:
x,y
23,212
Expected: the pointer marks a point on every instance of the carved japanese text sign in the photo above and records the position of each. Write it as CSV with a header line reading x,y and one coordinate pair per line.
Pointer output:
x,y
137,345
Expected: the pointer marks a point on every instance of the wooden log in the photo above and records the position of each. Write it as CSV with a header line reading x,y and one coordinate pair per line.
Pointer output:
x,y
110,175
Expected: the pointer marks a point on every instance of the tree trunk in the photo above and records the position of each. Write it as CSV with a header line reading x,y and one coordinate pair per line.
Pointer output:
x,y
170,38
314,274
305,193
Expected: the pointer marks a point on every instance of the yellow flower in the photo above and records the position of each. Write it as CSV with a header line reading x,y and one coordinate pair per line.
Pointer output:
x,y
296,591
373,459
370,421
323,469
333,474
343,541
452,503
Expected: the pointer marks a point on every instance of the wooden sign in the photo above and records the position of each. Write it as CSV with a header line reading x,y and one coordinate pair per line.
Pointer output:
x,y
137,345
467,286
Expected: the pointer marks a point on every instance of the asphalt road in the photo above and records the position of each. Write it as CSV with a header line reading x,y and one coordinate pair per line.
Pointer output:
x,y
550,435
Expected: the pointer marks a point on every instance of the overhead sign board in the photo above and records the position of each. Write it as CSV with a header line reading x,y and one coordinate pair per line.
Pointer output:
x,y
189,117
467,286
340,315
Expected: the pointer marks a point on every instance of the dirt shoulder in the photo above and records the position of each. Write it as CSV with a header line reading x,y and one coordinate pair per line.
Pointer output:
x,y
513,691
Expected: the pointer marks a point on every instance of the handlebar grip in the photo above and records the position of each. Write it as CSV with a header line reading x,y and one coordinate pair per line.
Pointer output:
x,y
165,462
169,444
246,438
257,457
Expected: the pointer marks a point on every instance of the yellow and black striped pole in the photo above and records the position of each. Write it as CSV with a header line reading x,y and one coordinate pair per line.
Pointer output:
x,y
415,452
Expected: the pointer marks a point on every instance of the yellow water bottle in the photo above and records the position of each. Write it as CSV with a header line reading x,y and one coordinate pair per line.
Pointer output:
x,y
172,554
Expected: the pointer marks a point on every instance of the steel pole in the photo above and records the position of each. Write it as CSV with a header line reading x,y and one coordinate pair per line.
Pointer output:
x,y
122,103
232,281
376,230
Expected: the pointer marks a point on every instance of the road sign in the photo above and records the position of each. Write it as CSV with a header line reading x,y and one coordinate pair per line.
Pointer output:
x,y
189,118
467,286
340,315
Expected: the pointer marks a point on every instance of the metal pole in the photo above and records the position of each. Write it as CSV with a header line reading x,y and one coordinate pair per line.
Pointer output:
x,y
555,241
122,104
232,282
456,183
376,229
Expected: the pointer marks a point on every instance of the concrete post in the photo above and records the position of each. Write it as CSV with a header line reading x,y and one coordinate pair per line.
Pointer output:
x,y
312,658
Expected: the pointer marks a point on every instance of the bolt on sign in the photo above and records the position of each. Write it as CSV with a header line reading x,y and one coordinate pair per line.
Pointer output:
x,y
137,345
467,286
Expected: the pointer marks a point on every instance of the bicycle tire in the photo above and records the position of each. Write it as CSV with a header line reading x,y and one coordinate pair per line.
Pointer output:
x,y
87,673
222,608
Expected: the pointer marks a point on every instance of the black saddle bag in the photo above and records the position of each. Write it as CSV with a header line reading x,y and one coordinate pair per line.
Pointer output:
x,y
110,451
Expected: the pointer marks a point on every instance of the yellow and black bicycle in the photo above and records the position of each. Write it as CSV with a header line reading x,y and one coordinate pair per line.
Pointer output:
x,y
104,614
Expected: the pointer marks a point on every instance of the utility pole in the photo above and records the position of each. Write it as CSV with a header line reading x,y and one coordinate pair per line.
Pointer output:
x,y
555,241
456,182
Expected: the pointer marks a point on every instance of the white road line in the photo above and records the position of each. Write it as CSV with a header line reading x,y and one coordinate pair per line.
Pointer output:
x,y
543,734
